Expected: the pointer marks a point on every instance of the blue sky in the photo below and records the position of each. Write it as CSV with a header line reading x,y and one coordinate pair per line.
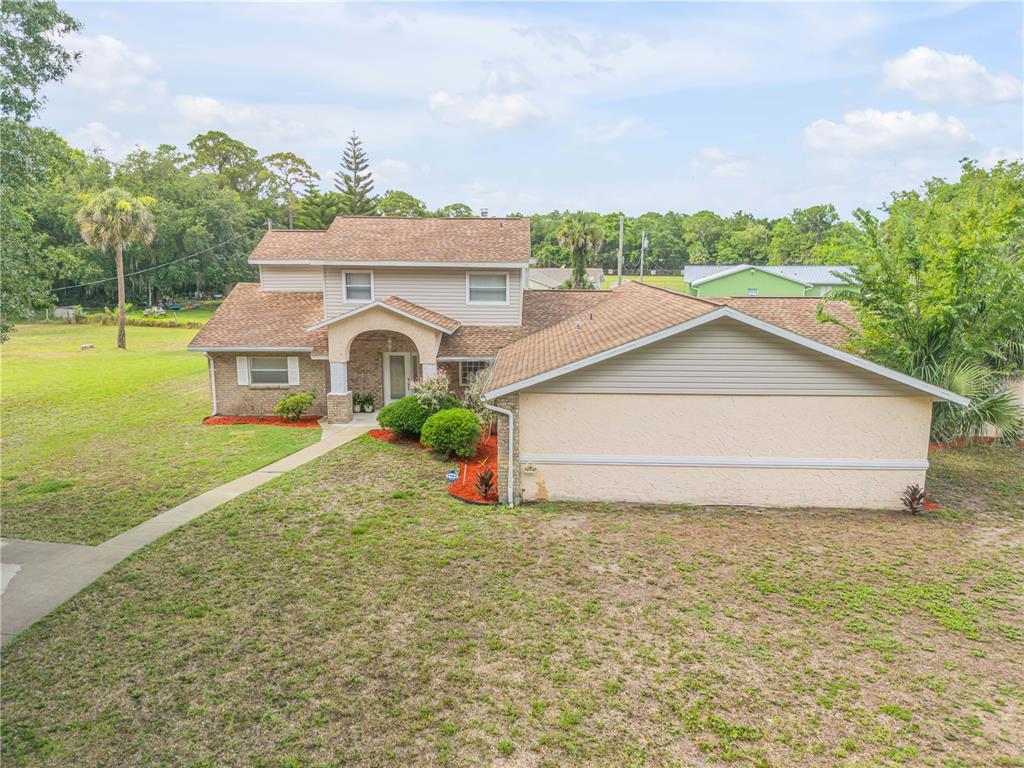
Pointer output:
x,y
528,107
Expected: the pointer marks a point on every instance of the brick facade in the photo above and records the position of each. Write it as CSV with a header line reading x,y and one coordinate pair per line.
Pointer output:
x,y
339,408
234,399
509,402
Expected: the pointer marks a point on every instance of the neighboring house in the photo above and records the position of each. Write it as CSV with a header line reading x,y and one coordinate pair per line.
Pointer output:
x,y
550,278
721,280
734,401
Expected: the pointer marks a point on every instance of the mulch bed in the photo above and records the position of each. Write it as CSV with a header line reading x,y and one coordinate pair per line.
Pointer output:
x,y
275,421
469,469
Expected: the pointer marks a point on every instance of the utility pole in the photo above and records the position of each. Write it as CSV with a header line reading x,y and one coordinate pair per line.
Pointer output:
x,y
620,251
643,251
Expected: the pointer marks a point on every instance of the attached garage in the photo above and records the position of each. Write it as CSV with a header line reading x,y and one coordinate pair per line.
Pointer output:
x,y
720,408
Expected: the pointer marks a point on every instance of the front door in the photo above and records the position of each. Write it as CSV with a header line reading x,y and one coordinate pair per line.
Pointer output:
x,y
399,371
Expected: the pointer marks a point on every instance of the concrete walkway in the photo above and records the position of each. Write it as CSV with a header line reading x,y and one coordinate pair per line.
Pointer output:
x,y
37,576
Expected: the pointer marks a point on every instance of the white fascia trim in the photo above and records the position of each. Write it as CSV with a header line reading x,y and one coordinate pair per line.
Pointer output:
x,y
846,357
370,264
465,359
382,305
319,357
249,349
724,461
742,267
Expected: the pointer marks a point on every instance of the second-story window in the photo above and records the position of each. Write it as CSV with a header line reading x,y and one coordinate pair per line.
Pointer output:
x,y
487,288
358,286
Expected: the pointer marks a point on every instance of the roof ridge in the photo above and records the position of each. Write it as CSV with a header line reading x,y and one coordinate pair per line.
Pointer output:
x,y
706,300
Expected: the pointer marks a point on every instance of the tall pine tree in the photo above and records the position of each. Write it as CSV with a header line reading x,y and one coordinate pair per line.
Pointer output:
x,y
355,182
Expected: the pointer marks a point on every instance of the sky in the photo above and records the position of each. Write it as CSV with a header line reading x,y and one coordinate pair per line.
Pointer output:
x,y
526,108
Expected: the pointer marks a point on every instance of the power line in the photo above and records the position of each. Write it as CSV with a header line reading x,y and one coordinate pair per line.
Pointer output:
x,y
159,266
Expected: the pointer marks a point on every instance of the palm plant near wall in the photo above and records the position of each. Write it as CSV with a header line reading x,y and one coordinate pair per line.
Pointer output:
x,y
116,219
582,235
940,294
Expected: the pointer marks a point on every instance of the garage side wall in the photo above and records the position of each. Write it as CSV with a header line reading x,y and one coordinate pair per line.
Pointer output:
x,y
833,451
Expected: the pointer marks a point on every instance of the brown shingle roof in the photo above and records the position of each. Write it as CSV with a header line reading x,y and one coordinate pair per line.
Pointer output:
x,y
377,238
629,312
540,309
427,315
250,317
635,311
799,315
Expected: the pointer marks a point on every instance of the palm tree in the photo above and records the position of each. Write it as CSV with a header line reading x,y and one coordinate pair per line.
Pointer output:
x,y
582,235
115,218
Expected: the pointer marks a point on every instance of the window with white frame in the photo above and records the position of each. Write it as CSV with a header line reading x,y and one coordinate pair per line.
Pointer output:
x,y
751,291
470,368
268,370
487,288
358,286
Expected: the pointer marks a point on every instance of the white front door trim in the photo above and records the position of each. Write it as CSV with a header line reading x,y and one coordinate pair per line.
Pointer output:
x,y
410,374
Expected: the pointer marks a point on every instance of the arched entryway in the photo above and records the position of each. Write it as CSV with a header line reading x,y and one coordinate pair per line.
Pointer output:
x,y
382,364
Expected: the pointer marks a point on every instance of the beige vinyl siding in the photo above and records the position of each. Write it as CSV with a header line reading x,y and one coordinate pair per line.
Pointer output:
x,y
723,357
439,289
292,278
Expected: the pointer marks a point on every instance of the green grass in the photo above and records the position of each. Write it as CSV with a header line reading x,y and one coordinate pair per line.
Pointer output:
x,y
96,441
673,282
352,613
200,314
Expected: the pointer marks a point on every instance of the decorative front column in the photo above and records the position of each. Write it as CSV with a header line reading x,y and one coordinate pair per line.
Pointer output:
x,y
339,399
339,378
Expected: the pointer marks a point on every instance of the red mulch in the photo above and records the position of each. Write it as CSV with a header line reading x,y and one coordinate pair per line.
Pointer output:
x,y
465,487
387,436
276,421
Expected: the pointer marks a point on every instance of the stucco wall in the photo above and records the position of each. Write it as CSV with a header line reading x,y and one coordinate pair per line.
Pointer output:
x,y
234,399
559,428
341,335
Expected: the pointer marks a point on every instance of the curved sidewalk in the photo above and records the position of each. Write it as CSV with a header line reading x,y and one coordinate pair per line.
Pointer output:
x,y
38,576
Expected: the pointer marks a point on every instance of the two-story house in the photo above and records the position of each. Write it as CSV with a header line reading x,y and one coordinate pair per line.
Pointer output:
x,y
745,400
369,305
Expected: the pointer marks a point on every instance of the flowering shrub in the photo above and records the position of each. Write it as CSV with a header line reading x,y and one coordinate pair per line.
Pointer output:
x,y
473,400
434,394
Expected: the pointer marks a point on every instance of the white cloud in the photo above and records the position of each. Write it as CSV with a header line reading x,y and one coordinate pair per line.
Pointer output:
x,y
998,154
211,112
606,133
96,135
938,77
108,64
491,111
871,130
721,164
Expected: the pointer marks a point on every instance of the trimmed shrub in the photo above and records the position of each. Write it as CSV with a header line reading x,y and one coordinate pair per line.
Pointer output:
x,y
294,405
453,431
404,417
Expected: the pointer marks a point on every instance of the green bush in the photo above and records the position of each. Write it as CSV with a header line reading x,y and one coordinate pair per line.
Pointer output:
x,y
404,417
294,405
454,431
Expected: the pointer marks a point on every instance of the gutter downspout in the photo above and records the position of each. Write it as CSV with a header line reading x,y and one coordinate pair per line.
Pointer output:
x,y
511,449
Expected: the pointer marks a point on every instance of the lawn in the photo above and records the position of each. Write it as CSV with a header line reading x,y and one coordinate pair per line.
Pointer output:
x,y
673,282
200,314
351,613
96,441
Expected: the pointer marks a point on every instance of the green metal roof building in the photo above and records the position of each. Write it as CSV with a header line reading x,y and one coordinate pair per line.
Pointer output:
x,y
723,280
